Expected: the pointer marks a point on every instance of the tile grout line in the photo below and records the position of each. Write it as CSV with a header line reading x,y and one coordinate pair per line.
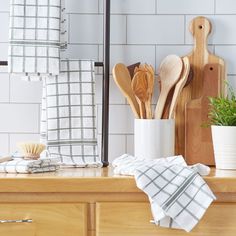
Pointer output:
x,y
214,7
126,40
185,26
9,142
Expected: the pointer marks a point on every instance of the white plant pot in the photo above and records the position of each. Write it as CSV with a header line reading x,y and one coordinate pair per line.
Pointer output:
x,y
154,138
224,143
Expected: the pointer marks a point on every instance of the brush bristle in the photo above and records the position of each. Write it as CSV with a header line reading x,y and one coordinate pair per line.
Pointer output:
x,y
31,150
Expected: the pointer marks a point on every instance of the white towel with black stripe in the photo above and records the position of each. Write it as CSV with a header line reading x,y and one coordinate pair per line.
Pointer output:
x,y
68,123
178,194
21,166
36,34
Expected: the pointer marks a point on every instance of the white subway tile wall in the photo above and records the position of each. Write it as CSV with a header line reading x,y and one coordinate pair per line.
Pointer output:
x,y
141,30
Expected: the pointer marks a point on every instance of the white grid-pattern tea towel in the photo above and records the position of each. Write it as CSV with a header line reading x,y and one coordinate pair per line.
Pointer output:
x,y
22,166
35,37
68,126
178,194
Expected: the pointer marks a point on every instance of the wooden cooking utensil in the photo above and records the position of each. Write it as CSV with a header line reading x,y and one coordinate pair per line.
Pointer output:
x,y
132,67
150,80
123,81
200,27
179,86
170,95
140,88
199,147
169,72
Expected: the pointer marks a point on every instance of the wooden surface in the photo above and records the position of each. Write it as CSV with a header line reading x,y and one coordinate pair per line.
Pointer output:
x,y
131,219
199,147
200,28
95,180
122,79
169,73
97,202
48,219
179,87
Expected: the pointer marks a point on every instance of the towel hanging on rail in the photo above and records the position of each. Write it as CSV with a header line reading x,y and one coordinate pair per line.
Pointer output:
x,y
35,38
68,126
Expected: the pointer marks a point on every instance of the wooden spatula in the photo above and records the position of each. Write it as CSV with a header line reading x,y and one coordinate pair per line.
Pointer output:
x,y
122,79
150,80
170,70
179,86
148,72
140,87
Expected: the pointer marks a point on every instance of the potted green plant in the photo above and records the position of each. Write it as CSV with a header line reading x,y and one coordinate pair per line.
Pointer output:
x,y
222,118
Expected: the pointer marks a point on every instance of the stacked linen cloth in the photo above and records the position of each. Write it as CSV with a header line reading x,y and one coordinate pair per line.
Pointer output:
x,y
19,165
68,123
35,38
178,195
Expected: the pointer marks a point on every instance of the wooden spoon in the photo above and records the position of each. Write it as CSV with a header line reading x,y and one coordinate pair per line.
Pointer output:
x,y
140,86
179,86
122,79
170,70
166,111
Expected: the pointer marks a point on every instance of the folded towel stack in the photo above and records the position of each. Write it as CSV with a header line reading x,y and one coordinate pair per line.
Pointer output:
x,y
35,38
178,194
68,126
22,166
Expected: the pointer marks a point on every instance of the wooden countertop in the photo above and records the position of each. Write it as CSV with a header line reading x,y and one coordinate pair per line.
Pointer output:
x,y
96,180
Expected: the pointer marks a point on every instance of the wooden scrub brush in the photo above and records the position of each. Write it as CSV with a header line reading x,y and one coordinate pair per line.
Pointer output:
x,y
31,151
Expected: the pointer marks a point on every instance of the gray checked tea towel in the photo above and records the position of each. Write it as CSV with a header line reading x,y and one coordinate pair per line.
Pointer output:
x,y
178,195
68,126
36,34
22,166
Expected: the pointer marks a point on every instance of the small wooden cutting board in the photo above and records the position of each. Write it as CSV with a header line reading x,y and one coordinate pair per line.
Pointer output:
x,y
198,143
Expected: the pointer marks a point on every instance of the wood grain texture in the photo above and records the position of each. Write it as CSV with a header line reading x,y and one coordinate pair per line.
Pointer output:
x,y
199,146
179,87
169,73
122,78
132,219
96,202
48,219
200,27
102,180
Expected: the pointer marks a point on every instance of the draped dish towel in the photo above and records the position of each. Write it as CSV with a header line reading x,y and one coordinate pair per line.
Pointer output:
x,y
68,123
22,166
178,195
35,38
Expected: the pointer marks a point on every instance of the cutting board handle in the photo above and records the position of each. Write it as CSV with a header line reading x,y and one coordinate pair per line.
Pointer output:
x,y
200,27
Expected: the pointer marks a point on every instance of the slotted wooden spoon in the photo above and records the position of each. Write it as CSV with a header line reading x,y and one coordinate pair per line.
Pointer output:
x,y
140,87
170,70
122,79
149,73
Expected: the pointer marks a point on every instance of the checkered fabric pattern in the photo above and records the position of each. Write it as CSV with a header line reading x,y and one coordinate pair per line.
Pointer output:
x,y
22,166
35,37
68,126
178,195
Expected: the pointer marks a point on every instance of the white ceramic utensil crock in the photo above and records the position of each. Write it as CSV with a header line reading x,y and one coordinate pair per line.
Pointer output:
x,y
154,138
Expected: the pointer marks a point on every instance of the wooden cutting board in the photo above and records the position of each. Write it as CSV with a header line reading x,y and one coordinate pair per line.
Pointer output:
x,y
198,143
200,27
